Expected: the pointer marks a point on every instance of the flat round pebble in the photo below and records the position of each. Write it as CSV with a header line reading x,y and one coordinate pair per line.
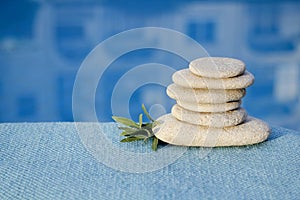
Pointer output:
x,y
219,107
185,78
204,95
219,119
217,67
176,132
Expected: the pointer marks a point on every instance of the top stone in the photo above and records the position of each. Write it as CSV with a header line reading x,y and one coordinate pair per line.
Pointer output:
x,y
217,67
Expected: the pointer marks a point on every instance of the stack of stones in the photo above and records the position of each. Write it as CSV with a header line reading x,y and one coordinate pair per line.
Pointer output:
x,y
208,111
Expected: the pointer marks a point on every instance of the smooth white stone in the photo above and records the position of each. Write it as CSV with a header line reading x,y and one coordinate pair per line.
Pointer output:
x,y
219,119
220,107
217,67
176,132
203,95
185,78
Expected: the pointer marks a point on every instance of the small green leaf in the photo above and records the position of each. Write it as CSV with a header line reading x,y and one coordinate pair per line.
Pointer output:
x,y
146,113
148,128
142,133
124,133
125,121
154,143
147,125
141,120
149,132
138,131
131,139
128,129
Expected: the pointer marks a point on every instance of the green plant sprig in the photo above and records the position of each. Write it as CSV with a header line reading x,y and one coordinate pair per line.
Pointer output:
x,y
133,131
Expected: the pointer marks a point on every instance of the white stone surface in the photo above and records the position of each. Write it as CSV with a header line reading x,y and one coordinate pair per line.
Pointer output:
x,y
217,67
219,119
176,132
220,107
204,95
208,112
186,78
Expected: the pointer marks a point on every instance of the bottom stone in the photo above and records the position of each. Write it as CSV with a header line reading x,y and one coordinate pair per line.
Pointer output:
x,y
176,132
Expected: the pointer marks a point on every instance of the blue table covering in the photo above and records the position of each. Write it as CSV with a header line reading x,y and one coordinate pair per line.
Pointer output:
x,y
50,161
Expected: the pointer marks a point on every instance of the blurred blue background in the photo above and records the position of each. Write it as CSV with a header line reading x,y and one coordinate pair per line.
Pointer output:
x,y
42,44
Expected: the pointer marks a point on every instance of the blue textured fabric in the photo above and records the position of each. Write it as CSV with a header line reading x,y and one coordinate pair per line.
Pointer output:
x,y
48,161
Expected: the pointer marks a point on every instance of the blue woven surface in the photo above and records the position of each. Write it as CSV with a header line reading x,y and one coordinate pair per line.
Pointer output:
x,y
48,161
